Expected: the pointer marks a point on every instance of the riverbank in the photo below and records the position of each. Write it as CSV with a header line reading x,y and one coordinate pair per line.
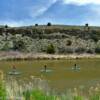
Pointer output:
x,y
40,56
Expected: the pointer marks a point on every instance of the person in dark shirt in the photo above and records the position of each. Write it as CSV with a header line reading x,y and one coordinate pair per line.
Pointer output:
x,y
45,68
75,66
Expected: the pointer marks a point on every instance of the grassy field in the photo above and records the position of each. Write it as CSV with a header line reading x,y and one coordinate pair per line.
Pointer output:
x,y
31,93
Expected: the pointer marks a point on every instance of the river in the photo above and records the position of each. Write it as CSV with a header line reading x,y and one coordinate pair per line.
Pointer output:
x,y
61,75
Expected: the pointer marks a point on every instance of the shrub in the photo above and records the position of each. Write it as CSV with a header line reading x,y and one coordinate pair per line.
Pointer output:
x,y
69,43
18,45
39,95
90,51
94,37
86,25
97,50
64,50
69,50
6,26
50,49
2,91
49,24
6,47
36,25
80,50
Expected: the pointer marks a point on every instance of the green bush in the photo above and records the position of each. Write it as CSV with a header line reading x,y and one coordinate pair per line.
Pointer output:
x,y
69,43
37,95
90,51
2,91
36,24
95,97
19,45
6,26
63,50
50,49
49,24
80,50
97,50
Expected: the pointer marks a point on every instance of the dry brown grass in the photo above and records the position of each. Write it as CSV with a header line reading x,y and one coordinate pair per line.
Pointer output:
x,y
42,56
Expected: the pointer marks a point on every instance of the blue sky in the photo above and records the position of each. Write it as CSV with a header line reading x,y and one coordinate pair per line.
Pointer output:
x,y
69,12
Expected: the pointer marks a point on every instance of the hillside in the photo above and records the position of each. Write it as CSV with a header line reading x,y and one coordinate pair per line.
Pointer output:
x,y
59,39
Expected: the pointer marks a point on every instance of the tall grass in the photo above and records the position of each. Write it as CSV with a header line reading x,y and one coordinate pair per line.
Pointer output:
x,y
37,89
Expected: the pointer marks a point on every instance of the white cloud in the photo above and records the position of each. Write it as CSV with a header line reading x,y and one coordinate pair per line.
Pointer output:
x,y
34,12
82,2
94,9
94,19
40,9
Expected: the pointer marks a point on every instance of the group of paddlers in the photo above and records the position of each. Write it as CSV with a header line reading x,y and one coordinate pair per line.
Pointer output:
x,y
75,67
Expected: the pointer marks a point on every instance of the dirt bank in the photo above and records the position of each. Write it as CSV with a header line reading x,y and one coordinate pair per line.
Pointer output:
x,y
31,56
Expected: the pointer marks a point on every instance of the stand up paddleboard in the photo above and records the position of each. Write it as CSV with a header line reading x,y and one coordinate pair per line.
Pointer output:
x,y
45,70
76,68
14,71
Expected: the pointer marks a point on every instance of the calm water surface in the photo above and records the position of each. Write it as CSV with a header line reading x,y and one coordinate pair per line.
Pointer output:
x,y
62,75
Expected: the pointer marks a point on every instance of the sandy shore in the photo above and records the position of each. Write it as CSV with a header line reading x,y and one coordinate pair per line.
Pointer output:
x,y
30,56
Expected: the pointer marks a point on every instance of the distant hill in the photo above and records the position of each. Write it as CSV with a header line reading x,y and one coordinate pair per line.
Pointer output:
x,y
43,30
42,38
